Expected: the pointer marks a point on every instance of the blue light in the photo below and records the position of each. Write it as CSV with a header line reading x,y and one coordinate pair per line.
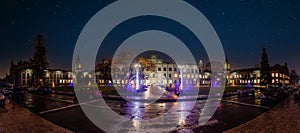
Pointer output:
x,y
71,84
249,85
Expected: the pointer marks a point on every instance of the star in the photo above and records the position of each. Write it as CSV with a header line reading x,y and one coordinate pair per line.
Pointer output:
x,y
58,3
67,10
12,22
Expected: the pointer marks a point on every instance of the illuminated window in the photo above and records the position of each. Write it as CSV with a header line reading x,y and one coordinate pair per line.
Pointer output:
x,y
276,74
175,75
273,75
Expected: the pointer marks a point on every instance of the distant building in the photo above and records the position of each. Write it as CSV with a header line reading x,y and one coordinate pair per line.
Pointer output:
x,y
22,72
165,73
280,75
251,76
245,77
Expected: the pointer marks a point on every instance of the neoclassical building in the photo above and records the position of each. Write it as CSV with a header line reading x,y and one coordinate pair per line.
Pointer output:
x,y
21,75
251,76
163,73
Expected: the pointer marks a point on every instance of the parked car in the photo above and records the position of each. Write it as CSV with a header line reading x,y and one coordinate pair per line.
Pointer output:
x,y
246,91
295,89
274,94
32,89
44,90
297,95
17,94
5,91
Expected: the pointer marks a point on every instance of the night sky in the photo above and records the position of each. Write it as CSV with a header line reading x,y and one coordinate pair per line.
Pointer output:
x,y
244,27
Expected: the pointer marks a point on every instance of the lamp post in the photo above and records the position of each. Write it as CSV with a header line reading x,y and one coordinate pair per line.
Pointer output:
x,y
137,81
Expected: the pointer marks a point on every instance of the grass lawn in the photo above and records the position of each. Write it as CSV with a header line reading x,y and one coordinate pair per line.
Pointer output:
x,y
63,89
108,90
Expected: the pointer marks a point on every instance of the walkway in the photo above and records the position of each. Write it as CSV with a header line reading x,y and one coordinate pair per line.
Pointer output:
x,y
21,120
285,117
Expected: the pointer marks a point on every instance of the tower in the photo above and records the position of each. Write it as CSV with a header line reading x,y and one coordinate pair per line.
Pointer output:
x,y
77,69
200,65
77,65
227,66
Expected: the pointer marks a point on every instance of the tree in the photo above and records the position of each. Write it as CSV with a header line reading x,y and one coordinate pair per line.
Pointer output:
x,y
265,75
294,77
39,61
149,66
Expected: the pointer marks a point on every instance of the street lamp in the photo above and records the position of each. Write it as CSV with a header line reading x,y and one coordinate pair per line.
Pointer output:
x,y
137,82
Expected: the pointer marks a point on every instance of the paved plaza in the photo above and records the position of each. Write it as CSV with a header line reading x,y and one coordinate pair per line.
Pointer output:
x,y
18,119
285,117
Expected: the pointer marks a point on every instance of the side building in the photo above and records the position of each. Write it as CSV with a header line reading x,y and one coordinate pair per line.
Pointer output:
x,y
251,76
22,72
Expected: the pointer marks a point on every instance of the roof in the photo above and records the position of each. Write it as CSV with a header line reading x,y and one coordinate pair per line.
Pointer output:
x,y
246,70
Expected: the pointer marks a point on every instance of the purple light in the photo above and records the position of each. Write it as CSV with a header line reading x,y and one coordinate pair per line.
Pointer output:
x,y
71,84
249,85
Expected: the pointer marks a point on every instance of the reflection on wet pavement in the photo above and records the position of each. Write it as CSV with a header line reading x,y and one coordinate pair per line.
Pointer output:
x,y
38,103
227,115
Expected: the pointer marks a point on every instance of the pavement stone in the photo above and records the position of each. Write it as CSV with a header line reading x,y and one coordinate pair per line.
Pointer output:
x,y
283,118
17,119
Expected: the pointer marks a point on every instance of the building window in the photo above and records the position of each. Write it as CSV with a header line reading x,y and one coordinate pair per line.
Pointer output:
x,y
276,74
170,75
175,69
165,69
159,69
176,75
165,75
170,68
